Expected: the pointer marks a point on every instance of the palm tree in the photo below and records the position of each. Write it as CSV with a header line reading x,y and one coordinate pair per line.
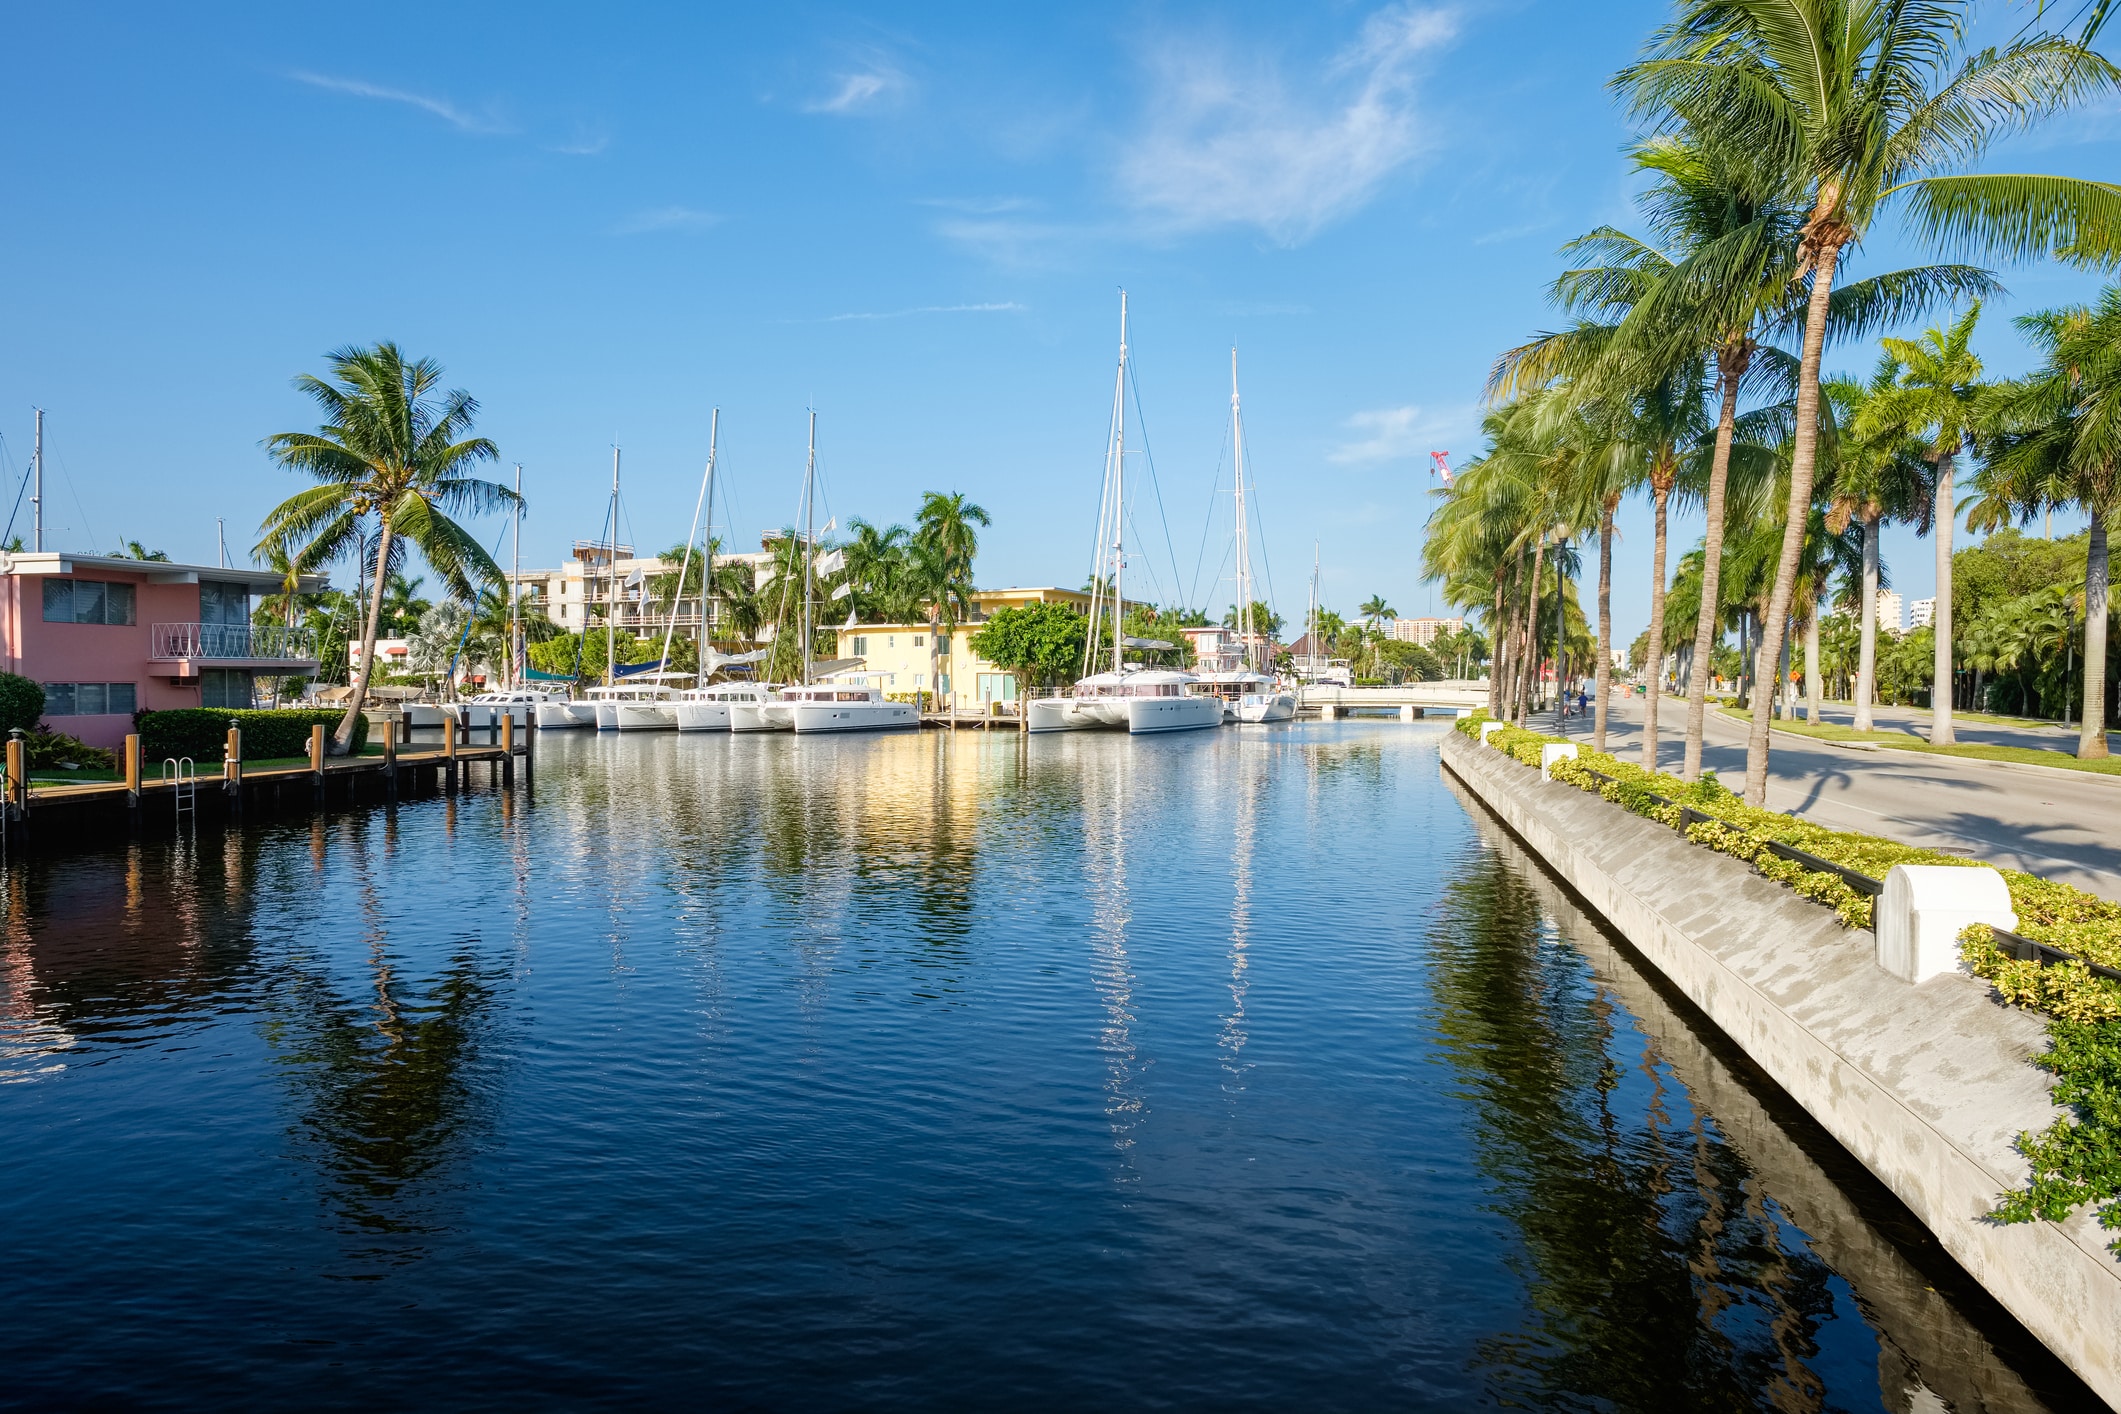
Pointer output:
x,y
2057,440
1375,610
1852,103
876,567
388,451
944,546
1934,396
1873,480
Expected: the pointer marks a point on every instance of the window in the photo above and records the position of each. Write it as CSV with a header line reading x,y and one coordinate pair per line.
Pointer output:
x,y
920,640
861,647
225,687
89,699
87,601
224,603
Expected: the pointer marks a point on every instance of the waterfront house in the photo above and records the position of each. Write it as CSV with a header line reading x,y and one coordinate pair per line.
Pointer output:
x,y
106,636
898,653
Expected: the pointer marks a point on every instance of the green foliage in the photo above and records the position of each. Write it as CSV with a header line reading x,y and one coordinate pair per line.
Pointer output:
x,y
21,703
46,750
202,732
1042,644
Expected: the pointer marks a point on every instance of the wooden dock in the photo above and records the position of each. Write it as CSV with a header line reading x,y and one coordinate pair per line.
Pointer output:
x,y
178,790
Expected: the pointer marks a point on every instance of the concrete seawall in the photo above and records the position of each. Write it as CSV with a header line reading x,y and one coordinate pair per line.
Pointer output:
x,y
1928,1087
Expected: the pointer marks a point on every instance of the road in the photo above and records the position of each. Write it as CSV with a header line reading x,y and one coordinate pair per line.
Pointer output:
x,y
2055,825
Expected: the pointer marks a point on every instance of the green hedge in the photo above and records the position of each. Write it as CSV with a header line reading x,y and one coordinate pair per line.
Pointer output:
x,y
202,732
2075,1160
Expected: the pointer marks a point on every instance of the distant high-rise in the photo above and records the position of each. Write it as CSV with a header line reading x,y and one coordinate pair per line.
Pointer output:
x,y
1424,631
1891,616
1922,613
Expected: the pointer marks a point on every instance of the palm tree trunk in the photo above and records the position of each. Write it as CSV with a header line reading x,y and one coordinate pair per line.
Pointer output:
x,y
1697,689
1867,650
1496,652
342,739
1603,677
1531,632
2091,736
1659,495
1814,690
1941,614
935,655
1804,461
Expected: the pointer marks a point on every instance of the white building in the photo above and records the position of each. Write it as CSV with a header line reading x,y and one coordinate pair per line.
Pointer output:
x,y
1891,617
1424,631
1922,613
576,594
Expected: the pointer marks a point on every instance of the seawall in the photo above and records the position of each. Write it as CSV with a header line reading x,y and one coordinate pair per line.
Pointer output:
x,y
1928,1087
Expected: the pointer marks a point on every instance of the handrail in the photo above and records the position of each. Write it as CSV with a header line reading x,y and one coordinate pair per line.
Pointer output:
x,y
209,641
2026,950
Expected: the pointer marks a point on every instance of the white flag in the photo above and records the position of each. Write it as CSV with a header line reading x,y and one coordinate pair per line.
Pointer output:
x,y
633,581
843,591
832,563
830,525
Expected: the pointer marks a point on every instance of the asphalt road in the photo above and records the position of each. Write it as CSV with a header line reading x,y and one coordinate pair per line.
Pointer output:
x,y
2058,826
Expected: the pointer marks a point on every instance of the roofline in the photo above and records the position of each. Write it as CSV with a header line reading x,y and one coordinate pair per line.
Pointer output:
x,y
56,562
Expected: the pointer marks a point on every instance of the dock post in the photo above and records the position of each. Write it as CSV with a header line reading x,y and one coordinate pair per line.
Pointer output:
x,y
132,775
390,758
316,758
232,766
530,744
450,724
508,748
17,776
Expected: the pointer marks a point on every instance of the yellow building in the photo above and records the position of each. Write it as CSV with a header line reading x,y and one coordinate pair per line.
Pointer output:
x,y
899,653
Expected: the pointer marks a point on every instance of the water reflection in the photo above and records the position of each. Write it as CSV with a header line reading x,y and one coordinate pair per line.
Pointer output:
x,y
924,1069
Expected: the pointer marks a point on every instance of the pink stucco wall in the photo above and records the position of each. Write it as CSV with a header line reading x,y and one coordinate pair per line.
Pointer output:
x,y
97,652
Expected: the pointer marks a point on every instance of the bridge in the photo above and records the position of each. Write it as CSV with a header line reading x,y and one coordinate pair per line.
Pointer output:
x,y
1407,701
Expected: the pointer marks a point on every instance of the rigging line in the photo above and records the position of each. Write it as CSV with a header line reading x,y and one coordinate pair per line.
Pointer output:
x,y
1207,524
75,492
1265,560
8,536
1149,565
1141,420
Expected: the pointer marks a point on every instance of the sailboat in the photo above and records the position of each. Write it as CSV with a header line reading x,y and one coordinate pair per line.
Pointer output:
x,y
1135,699
620,706
839,702
1249,693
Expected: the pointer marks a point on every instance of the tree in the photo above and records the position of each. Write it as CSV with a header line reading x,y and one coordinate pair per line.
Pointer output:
x,y
387,451
1040,645
2057,440
1932,398
1873,479
1841,101
1265,621
945,543
1375,610
134,550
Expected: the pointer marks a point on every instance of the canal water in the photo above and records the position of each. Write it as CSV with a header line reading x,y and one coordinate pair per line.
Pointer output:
x,y
1241,1069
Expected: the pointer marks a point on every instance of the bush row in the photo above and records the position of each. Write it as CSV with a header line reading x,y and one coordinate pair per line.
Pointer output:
x,y
202,732
2075,1160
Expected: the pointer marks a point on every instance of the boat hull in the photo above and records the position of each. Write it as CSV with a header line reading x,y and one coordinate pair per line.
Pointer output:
x,y
1275,707
1061,714
560,716
646,717
702,716
754,717
1172,714
852,716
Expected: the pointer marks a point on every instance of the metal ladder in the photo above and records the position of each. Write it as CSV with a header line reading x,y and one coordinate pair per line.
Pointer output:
x,y
181,775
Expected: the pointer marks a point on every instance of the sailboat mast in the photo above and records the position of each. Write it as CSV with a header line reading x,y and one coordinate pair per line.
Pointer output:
x,y
677,596
515,589
1244,545
1311,637
36,499
611,561
809,540
1119,499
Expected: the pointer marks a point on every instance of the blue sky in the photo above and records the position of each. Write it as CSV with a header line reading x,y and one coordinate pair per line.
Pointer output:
x,y
605,223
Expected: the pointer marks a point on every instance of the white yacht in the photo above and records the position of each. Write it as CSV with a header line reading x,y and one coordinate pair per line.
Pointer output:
x,y
750,714
1135,700
634,708
847,703
1271,703
556,713
709,709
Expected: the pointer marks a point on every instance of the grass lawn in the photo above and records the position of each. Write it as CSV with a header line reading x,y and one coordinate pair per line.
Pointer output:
x,y
1824,731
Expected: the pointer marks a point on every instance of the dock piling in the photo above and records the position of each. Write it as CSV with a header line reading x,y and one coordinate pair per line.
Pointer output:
x,y
132,774
508,748
390,759
232,767
316,758
450,727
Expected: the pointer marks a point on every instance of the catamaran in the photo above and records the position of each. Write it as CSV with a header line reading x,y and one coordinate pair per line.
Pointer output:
x,y
1134,698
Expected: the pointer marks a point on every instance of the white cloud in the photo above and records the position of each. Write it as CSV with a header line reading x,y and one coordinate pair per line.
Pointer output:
x,y
441,108
666,218
1230,143
585,142
1398,434
1003,307
863,89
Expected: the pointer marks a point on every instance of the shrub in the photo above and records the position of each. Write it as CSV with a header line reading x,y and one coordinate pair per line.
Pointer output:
x,y
49,750
202,732
21,703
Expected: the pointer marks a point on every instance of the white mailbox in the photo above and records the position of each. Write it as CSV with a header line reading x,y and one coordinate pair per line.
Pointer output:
x,y
1550,753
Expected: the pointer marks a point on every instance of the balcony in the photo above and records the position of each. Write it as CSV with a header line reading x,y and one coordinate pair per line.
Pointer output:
x,y
284,651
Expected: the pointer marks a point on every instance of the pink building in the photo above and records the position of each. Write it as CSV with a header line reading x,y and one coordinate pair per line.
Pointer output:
x,y
109,636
